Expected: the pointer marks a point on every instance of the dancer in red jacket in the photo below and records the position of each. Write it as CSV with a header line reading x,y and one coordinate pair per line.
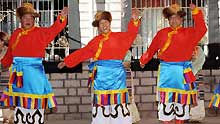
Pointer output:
x,y
108,77
176,87
29,89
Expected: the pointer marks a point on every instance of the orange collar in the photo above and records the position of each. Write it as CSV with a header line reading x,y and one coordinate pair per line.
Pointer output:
x,y
177,28
107,34
27,30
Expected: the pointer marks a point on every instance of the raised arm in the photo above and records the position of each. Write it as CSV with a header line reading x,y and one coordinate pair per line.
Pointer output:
x,y
132,31
52,31
134,23
199,29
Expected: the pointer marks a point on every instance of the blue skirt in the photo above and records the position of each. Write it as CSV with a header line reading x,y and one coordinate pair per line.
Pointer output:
x,y
176,83
109,82
28,85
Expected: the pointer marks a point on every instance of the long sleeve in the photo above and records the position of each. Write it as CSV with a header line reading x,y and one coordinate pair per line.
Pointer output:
x,y
81,54
199,30
133,26
127,38
7,60
114,48
154,47
52,31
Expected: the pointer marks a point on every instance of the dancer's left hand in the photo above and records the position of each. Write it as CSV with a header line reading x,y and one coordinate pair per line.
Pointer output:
x,y
192,6
61,65
64,12
136,14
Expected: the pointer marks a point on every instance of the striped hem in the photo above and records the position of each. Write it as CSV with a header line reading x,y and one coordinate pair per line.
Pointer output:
x,y
215,101
28,101
189,76
168,95
110,97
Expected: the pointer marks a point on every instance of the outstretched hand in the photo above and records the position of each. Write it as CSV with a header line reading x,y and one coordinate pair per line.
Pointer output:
x,y
135,14
61,65
192,6
64,12
142,65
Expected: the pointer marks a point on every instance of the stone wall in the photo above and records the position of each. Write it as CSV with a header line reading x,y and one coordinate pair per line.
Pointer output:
x,y
74,100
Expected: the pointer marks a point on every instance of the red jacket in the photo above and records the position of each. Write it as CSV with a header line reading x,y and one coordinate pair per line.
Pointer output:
x,y
182,43
33,43
114,48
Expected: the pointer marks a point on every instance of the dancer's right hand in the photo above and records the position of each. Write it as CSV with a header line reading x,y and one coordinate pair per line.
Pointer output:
x,y
192,6
142,65
64,12
61,65
135,14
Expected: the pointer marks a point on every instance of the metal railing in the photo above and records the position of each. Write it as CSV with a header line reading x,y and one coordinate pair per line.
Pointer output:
x,y
48,10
